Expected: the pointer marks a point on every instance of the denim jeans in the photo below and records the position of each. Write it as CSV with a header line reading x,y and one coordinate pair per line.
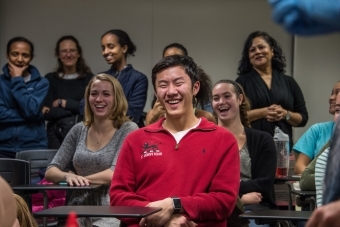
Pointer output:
x,y
252,221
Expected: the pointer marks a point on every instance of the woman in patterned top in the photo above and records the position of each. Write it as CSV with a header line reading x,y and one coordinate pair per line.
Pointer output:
x,y
257,148
94,145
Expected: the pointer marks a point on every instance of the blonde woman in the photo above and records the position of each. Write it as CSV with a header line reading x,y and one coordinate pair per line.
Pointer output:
x,y
94,145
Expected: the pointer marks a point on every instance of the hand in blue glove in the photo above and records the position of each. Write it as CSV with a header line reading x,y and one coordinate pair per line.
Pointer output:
x,y
307,17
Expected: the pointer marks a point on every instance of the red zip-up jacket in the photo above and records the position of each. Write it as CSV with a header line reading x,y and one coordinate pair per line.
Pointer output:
x,y
203,170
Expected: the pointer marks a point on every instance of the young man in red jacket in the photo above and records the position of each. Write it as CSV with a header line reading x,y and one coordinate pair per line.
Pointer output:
x,y
186,165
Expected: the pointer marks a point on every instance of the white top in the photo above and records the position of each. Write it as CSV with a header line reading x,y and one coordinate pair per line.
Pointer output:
x,y
69,76
179,135
27,78
320,170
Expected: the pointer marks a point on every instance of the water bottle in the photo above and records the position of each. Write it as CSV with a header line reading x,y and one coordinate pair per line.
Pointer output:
x,y
282,147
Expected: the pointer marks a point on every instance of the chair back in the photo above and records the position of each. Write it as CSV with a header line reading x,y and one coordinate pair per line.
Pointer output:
x,y
14,171
38,158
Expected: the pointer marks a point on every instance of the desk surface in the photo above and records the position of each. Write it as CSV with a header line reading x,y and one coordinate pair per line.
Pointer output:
x,y
288,215
99,211
285,179
303,193
53,187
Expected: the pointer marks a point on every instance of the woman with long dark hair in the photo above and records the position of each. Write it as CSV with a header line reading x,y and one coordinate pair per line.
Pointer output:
x,y
275,98
257,149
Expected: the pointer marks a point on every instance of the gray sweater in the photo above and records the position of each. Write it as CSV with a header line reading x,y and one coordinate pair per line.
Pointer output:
x,y
87,162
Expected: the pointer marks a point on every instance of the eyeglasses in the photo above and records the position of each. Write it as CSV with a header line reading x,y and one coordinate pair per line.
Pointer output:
x,y
65,52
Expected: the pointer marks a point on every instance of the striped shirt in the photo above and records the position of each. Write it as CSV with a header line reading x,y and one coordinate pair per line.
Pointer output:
x,y
320,169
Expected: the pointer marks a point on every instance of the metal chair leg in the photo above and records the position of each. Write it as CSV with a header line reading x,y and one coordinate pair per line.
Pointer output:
x,y
88,222
290,199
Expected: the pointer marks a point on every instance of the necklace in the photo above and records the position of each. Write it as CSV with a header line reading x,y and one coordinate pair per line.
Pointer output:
x,y
98,141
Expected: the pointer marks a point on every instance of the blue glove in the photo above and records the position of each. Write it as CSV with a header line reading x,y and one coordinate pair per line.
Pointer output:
x,y
307,17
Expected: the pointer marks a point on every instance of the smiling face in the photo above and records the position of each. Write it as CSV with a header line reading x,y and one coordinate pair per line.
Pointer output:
x,y
226,103
260,53
112,51
332,98
19,54
175,92
101,99
68,53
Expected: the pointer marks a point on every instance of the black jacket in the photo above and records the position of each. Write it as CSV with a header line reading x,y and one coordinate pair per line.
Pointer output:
x,y
284,91
71,90
262,152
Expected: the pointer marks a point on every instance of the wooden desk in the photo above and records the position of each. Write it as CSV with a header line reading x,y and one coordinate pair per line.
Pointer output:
x,y
42,188
266,216
99,211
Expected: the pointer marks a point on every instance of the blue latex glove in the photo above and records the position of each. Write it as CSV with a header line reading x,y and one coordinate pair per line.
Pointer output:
x,y
307,17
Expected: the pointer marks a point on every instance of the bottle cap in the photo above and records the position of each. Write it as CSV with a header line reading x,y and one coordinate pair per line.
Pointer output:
x,y
279,135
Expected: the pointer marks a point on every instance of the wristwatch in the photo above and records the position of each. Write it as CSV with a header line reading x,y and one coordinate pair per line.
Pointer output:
x,y
60,101
177,205
287,116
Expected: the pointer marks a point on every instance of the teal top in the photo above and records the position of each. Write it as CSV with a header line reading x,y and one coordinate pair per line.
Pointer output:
x,y
314,139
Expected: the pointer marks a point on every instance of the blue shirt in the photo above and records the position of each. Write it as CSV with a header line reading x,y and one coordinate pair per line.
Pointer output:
x,y
314,139
135,87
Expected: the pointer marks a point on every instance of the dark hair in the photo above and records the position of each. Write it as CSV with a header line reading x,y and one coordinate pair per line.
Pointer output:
x,y
153,101
186,62
81,67
245,106
203,96
123,39
176,45
278,60
20,39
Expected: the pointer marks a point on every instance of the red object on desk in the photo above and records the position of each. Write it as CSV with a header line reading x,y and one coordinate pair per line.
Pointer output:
x,y
281,172
72,220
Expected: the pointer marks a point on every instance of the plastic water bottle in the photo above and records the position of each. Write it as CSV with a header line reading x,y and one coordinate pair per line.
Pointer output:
x,y
282,146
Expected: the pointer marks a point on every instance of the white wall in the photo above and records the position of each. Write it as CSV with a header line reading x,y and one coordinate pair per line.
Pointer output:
x,y
212,30
317,69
